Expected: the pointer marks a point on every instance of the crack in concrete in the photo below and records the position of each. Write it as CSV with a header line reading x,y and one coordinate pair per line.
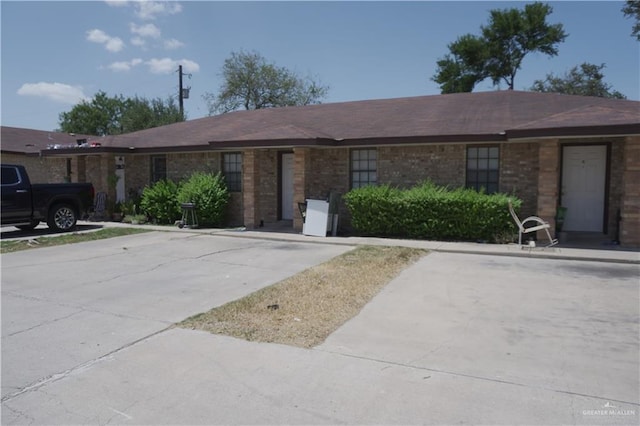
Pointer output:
x,y
42,324
81,309
34,386
476,377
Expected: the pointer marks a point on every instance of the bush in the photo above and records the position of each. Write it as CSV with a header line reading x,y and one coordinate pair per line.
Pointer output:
x,y
209,193
431,212
160,202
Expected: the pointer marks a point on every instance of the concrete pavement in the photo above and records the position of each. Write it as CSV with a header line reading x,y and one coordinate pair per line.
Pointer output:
x,y
456,338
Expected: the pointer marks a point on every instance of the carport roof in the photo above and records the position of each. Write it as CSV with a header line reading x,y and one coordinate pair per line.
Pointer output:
x,y
480,116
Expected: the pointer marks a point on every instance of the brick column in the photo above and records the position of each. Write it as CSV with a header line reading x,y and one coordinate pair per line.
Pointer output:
x,y
250,185
630,205
301,169
548,179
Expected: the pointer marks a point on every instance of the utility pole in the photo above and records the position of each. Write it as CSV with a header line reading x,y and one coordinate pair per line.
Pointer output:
x,y
180,91
183,93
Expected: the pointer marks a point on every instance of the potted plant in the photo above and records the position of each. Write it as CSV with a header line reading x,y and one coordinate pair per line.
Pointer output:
x,y
116,212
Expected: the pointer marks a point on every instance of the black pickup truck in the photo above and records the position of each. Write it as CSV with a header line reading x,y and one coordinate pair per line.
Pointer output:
x,y
25,205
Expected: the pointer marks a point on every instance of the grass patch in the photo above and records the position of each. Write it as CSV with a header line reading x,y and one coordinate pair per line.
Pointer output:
x,y
76,237
303,310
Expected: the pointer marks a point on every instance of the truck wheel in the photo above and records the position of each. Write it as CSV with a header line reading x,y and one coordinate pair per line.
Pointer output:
x,y
62,217
28,227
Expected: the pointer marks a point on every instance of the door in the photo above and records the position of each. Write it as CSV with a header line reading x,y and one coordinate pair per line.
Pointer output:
x,y
583,187
286,188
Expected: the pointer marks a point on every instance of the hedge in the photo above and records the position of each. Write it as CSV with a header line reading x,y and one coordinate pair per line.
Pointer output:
x,y
428,211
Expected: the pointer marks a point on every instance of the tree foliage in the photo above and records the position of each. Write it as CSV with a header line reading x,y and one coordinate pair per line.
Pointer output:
x,y
586,80
510,35
631,9
250,82
104,115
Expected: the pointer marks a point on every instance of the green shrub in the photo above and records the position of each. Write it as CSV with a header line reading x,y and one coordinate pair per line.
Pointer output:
x,y
160,202
430,212
209,193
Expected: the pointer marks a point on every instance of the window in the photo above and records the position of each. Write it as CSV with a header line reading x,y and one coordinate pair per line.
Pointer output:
x,y
364,167
232,170
158,168
483,168
10,176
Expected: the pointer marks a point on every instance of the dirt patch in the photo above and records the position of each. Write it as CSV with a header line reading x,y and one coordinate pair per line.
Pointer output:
x,y
303,310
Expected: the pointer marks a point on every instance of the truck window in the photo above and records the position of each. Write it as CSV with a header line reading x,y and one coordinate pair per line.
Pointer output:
x,y
10,176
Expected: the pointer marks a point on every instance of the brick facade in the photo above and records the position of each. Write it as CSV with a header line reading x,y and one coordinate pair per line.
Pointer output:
x,y
630,206
40,169
530,170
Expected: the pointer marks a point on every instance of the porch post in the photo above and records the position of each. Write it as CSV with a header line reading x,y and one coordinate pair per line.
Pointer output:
x,y
301,168
630,204
250,184
548,179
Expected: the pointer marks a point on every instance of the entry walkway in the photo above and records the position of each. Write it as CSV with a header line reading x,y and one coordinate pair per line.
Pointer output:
x,y
617,255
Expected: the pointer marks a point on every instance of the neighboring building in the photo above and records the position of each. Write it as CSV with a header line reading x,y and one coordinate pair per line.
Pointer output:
x,y
548,149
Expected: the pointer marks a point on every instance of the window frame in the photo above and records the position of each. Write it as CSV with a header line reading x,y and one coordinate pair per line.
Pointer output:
x,y
482,168
157,175
233,178
362,167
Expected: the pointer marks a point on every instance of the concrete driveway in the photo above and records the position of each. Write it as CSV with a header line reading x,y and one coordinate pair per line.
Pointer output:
x,y
63,307
456,338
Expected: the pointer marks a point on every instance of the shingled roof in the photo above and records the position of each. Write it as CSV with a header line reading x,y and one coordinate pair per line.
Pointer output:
x,y
462,117
29,141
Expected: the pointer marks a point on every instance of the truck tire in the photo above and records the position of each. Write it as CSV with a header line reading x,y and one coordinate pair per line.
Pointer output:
x,y
62,217
28,227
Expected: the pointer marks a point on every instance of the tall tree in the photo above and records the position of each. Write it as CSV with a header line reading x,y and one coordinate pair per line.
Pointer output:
x,y
250,82
104,115
585,80
631,9
510,35
464,67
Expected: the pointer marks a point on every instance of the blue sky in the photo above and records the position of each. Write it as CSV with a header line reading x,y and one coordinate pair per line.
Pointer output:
x,y
56,53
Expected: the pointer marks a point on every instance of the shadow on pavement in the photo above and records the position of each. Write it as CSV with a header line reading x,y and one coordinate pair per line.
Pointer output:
x,y
10,232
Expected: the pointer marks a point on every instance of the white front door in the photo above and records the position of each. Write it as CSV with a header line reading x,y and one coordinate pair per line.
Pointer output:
x,y
583,187
286,173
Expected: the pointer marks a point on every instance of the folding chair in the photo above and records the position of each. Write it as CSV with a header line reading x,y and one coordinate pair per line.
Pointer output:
x,y
541,224
98,211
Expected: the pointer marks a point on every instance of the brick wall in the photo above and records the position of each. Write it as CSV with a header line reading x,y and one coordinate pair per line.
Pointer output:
x,y
268,186
630,206
40,169
409,165
616,174
181,166
519,174
548,178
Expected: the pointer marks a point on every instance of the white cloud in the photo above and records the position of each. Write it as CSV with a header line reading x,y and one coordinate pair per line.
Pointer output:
x,y
168,65
148,10
138,41
112,44
116,3
172,44
124,66
147,30
58,92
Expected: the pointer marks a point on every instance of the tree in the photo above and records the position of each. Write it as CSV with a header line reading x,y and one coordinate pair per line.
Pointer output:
x,y
104,115
631,9
461,70
250,82
498,53
585,80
